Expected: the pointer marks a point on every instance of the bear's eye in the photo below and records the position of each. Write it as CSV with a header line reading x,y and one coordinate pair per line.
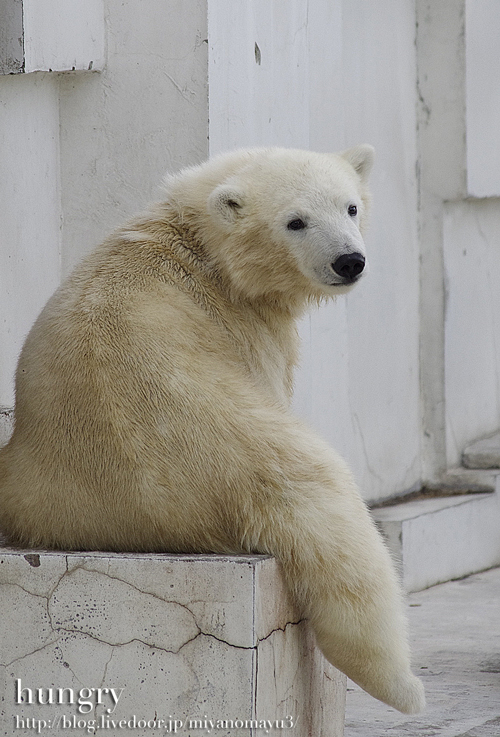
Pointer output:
x,y
296,224
352,210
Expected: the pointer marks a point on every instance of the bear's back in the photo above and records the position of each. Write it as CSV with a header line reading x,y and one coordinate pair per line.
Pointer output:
x,y
133,351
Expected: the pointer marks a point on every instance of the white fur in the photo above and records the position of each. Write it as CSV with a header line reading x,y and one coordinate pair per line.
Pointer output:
x,y
153,391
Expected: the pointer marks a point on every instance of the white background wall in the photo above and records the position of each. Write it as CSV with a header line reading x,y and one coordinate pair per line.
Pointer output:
x,y
383,374
61,35
82,151
30,219
144,115
330,75
482,21
472,347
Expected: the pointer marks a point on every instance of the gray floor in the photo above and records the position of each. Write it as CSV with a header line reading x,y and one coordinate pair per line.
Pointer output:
x,y
455,631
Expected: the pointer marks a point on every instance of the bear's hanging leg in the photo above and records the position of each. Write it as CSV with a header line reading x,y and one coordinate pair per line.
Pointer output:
x,y
342,578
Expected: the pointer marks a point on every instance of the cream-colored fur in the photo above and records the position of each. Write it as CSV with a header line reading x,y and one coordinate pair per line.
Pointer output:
x,y
153,391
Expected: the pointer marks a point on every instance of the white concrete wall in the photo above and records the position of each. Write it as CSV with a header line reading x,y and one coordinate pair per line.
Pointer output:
x,y
482,23
144,115
30,219
61,35
472,347
441,175
383,315
51,35
330,75
458,123
82,151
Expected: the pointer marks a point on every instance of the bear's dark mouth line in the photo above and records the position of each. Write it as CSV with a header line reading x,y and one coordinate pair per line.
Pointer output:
x,y
346,283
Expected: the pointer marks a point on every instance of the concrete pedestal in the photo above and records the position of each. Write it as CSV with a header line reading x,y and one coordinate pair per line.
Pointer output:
x,y
158,644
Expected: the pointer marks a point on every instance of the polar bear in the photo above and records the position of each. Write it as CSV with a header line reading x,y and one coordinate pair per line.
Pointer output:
x,y
152,399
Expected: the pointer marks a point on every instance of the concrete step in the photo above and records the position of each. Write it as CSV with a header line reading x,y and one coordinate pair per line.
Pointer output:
x,y
483,453
439,538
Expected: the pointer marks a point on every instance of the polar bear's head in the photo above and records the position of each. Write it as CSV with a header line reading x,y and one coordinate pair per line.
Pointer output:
x,y
283,220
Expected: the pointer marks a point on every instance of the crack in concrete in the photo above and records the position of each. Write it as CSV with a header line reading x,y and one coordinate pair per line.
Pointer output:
x,y
141,591
66,664
56,629
182,91
103,679
26,655
200,633
365,451
84,567
129,642
26,591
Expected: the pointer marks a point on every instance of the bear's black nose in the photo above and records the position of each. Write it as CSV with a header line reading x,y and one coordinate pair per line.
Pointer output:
x,y
349,266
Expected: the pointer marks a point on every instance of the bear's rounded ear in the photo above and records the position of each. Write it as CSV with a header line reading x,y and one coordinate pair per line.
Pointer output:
x,y
360,158
226,202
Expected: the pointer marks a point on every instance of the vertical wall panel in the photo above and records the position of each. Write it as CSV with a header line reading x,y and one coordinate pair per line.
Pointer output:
x,y
63,34
482,58
143,116
258,70
30,215
51,35
382,312
472,345
330,74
